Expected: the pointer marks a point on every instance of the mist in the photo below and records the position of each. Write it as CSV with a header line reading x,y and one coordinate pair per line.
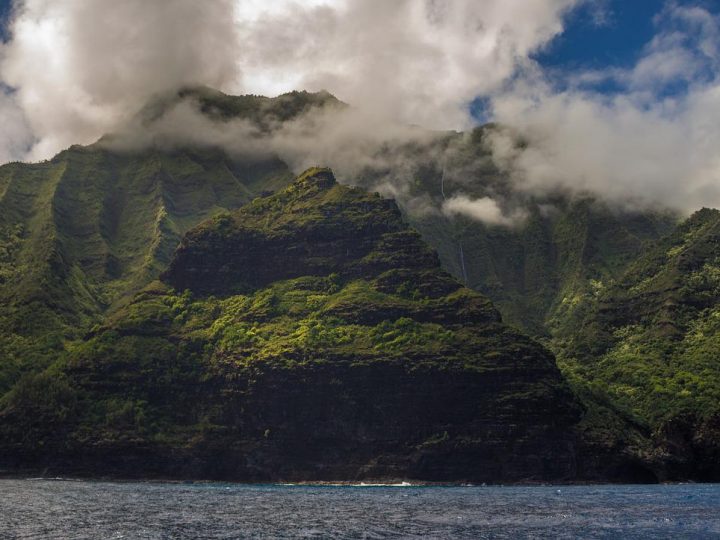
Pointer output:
x,y
642,146
78,69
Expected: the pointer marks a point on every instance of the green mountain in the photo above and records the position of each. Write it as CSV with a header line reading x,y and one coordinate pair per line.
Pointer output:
x,y
537,269
82,234
309,335
651,342
81,231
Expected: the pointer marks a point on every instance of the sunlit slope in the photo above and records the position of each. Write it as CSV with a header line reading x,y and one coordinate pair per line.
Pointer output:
x,y
652,341
309,335
79,232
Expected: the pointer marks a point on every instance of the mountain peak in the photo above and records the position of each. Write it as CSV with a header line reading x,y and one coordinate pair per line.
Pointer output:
x,y
321,177
219,106
315,226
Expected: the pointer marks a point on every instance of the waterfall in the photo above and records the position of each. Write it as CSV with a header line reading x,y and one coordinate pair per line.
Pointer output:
x,y
462,254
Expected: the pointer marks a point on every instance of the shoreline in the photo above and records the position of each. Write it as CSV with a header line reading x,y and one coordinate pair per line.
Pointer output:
x,y
368,483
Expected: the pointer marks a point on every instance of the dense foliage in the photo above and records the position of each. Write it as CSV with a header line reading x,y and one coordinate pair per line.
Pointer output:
x,y
333,325
651,338
91,342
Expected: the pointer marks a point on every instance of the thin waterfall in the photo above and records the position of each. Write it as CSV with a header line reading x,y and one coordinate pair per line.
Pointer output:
x,y
462,253
462,262
442,182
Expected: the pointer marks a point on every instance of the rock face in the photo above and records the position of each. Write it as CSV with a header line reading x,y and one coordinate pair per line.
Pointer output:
x,y
308,336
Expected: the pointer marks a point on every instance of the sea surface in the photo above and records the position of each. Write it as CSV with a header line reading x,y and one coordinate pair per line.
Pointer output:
x,y
101,510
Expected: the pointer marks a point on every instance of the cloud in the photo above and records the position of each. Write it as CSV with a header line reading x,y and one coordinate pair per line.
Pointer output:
x,y
81,67
15,135
416,61
655,142
349,140
485,209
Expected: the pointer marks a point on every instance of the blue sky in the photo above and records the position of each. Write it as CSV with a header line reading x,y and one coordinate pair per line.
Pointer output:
x,y
4,8
602,35
613,36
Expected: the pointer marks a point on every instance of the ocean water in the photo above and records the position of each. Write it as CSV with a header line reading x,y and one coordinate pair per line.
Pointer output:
x,y
101,510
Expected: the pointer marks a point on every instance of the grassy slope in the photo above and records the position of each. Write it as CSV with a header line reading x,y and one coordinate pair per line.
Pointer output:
x,y
372,307
88,228
653,338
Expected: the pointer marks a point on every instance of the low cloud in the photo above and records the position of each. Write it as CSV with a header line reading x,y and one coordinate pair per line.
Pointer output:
x,y
16,138
75,70
79,67
82,67
485,209
653,143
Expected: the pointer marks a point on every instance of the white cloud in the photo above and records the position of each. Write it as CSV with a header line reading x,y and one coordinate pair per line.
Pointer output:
x,y
418,61
15,135
82,66
647,145
485,209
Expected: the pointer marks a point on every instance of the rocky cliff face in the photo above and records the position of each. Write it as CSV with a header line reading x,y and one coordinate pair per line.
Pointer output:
x,y
313,269
308,336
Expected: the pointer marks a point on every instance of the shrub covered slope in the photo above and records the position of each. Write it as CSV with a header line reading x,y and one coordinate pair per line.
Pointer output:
x,y
626,300
651,342
330,345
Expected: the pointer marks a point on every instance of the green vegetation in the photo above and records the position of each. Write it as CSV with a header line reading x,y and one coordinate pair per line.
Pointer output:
x,y
321,276
81,233
329,305
651,340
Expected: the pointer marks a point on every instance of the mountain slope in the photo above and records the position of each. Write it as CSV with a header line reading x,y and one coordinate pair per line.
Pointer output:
x,y
81,231
547,254
653,340
317,338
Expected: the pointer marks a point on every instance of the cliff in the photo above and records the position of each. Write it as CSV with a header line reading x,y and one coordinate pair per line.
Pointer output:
x,y
310,335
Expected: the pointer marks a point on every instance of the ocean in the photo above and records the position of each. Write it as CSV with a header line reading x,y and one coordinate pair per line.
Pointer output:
x,y
61,509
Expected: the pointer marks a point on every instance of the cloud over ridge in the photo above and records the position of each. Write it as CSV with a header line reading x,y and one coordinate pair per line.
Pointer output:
x,y
74,70
80,66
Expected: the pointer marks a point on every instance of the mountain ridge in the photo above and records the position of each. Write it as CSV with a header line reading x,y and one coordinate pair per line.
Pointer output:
x,y
378,366
83,233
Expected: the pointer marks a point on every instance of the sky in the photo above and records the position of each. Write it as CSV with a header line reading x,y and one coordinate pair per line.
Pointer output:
x,y
608,34
602,35
615,97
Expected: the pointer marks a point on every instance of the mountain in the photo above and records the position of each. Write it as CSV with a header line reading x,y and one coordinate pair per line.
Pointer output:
x,y
536,267
81,231
85,230
263,112
651,341
85,236
309,335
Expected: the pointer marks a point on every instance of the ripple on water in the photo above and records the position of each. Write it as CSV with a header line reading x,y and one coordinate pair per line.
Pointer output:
x,y
92,510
